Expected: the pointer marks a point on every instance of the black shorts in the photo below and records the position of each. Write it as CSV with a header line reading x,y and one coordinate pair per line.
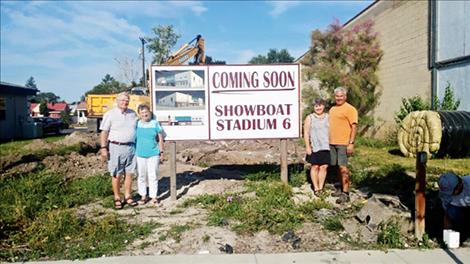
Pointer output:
x,y
321,157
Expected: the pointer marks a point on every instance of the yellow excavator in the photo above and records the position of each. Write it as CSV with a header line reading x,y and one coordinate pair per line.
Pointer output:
x,y
194,48
98,104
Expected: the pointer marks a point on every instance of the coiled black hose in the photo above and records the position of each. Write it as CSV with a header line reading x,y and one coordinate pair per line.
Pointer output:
x,y
455,140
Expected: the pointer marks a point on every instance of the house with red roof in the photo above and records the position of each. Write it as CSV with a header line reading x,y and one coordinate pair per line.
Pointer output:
x,y
54,109
34,109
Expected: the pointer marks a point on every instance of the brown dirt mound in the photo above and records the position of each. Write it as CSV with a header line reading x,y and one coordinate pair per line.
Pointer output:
x,y
39,144
75,165
89,139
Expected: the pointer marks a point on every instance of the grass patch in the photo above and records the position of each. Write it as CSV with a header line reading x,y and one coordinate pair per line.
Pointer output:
x,y
34,214
309,208
176,231
271,172
60,234
15,145
272,209
333,223
372,157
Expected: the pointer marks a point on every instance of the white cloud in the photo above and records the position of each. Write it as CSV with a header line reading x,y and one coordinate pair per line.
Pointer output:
x,y
69,47
243,56
156,9
279,7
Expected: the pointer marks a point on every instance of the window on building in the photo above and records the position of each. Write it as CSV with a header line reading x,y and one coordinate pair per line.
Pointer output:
x,y
3,108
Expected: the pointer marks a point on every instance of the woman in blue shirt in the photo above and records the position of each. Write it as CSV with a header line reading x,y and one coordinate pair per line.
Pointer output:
x,y
149,150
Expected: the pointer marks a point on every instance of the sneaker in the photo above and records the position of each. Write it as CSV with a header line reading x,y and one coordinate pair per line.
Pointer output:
x,y
337,193
343,198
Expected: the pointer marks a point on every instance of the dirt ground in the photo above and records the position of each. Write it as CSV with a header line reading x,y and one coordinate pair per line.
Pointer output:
x,y
198,173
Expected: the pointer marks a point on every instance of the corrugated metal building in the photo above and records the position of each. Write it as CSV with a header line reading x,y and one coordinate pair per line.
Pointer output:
x,y
14,109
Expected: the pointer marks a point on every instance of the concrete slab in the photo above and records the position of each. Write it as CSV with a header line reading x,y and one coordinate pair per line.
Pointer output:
x,y
460,255
340,257
437,256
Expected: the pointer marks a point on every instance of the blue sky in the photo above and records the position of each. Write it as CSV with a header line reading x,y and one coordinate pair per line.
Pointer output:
x,y
68,47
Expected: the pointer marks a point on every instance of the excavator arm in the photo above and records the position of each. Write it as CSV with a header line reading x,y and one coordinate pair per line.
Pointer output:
x,y
188,51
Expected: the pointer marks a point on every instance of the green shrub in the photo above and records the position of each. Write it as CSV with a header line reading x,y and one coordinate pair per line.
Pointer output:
x,y
409,105
389,235
449,103
416,103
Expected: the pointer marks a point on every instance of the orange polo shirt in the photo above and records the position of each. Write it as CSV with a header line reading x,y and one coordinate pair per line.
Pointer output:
x,y
341,119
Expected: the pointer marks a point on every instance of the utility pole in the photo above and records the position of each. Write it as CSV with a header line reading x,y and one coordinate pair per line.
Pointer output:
x,y
144,81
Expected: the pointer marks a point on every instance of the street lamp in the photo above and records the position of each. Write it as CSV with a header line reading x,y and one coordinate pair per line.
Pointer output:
x,y
143,41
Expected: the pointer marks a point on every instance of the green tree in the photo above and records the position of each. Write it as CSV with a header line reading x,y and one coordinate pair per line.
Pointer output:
x,y
108,85
43,109
31,83
348,58
272,57
65,116
48,96
161,44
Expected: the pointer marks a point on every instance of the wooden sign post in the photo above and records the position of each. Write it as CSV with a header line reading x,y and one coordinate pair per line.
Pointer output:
x,y
173,170
284,172
420,189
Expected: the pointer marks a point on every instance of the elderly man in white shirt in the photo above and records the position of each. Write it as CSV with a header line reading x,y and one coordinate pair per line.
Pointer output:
x,y
118,147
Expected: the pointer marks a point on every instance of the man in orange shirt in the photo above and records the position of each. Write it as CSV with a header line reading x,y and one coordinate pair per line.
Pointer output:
x,y
343,127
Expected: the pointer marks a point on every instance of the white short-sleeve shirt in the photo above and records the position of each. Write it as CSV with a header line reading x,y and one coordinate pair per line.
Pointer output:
x,y
120,125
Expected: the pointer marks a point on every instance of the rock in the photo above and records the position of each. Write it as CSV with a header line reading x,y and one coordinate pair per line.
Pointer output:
x,y
226,248
324,213
359,232
291,237
381,208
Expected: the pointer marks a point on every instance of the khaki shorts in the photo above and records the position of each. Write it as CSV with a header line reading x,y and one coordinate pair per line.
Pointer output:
x,y
338,155
121,160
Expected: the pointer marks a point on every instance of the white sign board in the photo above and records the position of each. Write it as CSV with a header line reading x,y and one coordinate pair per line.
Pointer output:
x,y
254,101
227,101
179,99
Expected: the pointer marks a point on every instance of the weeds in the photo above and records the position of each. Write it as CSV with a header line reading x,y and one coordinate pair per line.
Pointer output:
x,y
389,235
35,214
309,208
333,223
60,234
175,232
271,209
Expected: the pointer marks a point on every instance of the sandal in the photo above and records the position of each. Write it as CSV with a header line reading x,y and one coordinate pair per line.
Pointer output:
x,y
117,204
142,201
131,202
155,202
